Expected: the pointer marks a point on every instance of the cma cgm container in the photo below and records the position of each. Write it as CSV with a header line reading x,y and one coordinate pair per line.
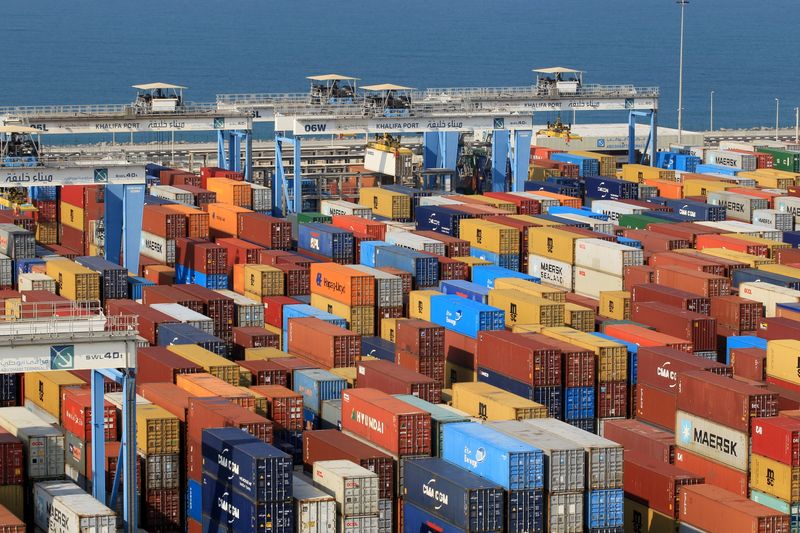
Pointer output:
x,y
224,506
465,316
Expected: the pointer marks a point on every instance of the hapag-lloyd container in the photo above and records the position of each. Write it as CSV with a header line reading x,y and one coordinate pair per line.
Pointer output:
x,y
712,440
457,496
386,421
354,487
224,506
343,284
709,508
43,443
465,316
64,507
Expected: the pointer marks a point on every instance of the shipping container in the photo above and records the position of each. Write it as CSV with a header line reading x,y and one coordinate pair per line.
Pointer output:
x,y
223,506
63,506
658,484
709,508
354,487
325,343
488,402
315,510
699,329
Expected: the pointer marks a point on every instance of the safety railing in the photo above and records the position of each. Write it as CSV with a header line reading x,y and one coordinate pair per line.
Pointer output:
x,y
93,110
84,318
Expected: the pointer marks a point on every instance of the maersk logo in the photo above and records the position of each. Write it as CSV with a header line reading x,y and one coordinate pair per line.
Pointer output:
x,y
429,489
62,357
686,431
690,434
479,456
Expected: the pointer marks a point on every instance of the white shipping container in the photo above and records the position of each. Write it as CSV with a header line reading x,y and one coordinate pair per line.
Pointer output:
x,y
247,312
354,487
6,271
737,145
789,204
64,508
438,200
261,197
43,443
158,248
416,242
550,271
613,209
343,207
389,288
315,510
709,439
115,399
588,282
34,281
187,316
175,194
605,256
724,158
359,524
601,226
389,163
737,206
768,294
393,225
772,218
744,228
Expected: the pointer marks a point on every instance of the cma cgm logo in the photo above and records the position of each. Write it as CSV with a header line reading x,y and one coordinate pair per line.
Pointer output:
x,y
429,489
479,456
62,357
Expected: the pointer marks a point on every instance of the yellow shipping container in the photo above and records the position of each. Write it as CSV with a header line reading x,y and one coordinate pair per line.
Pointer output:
x,y
157,430
522,308
389,328
205,386
74,281
753,261
773,246
494,202
553,243
454,373
779,173
361,318
386,203
615,304
537,173
769,181
488,402
215,365
547,292
782,360
348,374
254,354
263,280
542,222
527,328
261,402
579,317
490,236
639,173
608,163
698,187
72,216
245,377
44,389
639,518
419,304
612,357
775,478
781,269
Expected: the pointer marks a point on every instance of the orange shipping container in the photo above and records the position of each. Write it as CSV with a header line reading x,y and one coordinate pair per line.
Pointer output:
x,y
196,220
343,284
205,386
223,219
232,192
284,406
563,199
667,189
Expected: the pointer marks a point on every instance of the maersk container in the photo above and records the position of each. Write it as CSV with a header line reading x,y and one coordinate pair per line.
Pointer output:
x,y
676,161
418,520
343,207
328,241
413,241
610,188
221,505
509,261
258,470
303,311
169,334
564,460
737,206
493,455
367,252
378,347
315,510
485,275
465,316
423,267
773,218
455,495
724,158
465,289
695,210
440,417
43,443
64,507
579,403
745,275
316,386
613,209
550,271
587,166
439,218
604,509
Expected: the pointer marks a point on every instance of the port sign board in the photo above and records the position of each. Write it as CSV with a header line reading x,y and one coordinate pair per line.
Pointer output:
x,y
68,356
139,125
350,126
57,176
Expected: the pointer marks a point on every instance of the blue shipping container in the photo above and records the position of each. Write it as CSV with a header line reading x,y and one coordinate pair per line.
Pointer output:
x,y
604,508
525,511
566,190
717,169
259,471
136,286
509,261
465,316
792,237
186,275
484,275
326,240
455,495
305,310
586,424
633,243
743,341
178,333
587,166
439,218
550,397
194,500
9,389
423,267
563,209
368,251
465,289
696,210
574,183
311,420
744,275
378,347
418,520
493,455
676,161
610,188
316,386
239,514
579,403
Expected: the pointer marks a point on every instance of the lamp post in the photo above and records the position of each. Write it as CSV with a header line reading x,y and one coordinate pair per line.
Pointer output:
x,y
797,124
711,125
777,115
681,3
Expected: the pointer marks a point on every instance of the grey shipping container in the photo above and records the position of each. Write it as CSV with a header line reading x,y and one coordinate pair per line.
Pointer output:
x,y
64,507
246,312
16,243
315,510
43,444
186,316
565,512
385,515
6,271
737,206
354,487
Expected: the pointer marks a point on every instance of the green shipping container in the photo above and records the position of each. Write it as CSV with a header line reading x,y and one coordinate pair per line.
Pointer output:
x,y
638,221
774,503
305,218
783,159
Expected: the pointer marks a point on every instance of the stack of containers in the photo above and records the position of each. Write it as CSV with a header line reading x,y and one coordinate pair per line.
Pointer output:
x,y
388,295
600,265
488,402
160,228
325,242
419,346
388,377
322,343
158,442
494,242
356,492
345,292
385,203
81,212
202,263
22,434
316,386
258,281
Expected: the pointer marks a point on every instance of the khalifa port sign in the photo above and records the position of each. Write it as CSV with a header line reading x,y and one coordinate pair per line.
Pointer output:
x,y
56,176
68,356
352,126
140,125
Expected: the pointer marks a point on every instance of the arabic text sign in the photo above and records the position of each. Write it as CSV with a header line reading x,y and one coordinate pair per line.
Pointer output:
x,y
139,125
578,104
68,356
56,176
321,126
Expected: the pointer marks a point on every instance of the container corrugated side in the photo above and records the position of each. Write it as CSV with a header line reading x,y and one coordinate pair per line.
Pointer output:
x,y
355,487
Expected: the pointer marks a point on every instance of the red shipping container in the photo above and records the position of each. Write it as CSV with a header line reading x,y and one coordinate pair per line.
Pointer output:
x,y
668,259
168,396
239,251
76,414
786,256
12,462
731,243
393,379
284,406
386,421
454,247
612,399
637,275
645,337
297,279
714,473
656,242
253,337
450,269
421,338
331,445
161,509
776,328
578,365
636,436
373,228
657,484
694,327
149,319
738,313
219,412
217,307
113,450
290,364
710,508
163,222
74,240
162,294
750,363
273,309
156,272
201,256
525,206
777,438
652,292
83,196
330,346
266,231
433,368
660,366
519,357
583,301
265,372
723,400
694,281
656,406
460,349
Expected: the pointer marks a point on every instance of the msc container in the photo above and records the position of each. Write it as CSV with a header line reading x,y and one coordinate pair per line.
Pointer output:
x,y
457,496
329,345
65,507
385,203
315,510
699,329
522,308
257,470
465,316
388,422
490,236
709,508
423,267
354,487
605,256
229,507
43,443
488,402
